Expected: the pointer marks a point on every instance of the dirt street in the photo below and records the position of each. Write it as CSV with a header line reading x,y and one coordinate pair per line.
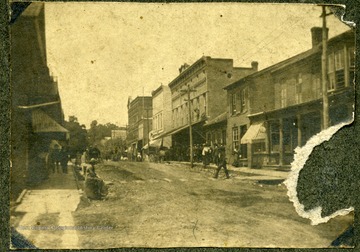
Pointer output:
x,y
171,205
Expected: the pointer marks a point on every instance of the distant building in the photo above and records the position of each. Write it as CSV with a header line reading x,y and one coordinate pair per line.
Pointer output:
x,y
37,116
139,123
119,133
161,100
206,77
273,111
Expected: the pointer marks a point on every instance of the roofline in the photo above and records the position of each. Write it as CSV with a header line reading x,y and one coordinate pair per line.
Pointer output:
x,y
156,91
296,58
203,58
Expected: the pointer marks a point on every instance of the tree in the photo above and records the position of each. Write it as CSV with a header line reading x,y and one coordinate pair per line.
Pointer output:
x,y
98,132
78,136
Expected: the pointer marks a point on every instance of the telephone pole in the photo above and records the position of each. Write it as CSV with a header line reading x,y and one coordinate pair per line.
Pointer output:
x,y
188,90
324,69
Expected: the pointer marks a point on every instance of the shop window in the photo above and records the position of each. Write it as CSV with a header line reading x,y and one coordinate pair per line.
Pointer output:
x,y
243,147
223,136
290,134
275,136
259,147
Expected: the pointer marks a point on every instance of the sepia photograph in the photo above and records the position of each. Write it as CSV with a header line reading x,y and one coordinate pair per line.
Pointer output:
x,y
162,125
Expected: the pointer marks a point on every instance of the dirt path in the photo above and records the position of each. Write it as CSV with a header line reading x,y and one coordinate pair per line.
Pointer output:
x,y
159,205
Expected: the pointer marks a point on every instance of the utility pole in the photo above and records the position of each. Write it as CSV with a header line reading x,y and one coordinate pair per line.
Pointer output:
x,y
324,69
188,90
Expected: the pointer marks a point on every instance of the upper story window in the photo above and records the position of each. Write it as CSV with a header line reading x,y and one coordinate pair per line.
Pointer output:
x,y
283,94
298,88
239,101
233,103
336,73
244,99
351,65
317,88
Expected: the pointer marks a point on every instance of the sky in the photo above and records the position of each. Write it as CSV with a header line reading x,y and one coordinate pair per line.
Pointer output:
x,y
102,53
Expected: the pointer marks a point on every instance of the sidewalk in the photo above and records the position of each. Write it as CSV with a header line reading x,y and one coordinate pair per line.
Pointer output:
x,y
44,211
245,172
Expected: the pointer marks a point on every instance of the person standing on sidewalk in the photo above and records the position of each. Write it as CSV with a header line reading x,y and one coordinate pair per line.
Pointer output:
x,y
221,163
64,159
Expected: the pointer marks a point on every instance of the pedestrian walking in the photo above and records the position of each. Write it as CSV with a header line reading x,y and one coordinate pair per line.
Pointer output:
x,y
206,153
216,155
64,159
54,159
222,163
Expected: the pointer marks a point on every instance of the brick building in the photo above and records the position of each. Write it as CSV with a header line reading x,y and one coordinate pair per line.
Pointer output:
x,y
139,123
206,77
273,111
36,112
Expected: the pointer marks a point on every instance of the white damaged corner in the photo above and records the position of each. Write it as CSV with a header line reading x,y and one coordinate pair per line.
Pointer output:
x,y
300,158
339,11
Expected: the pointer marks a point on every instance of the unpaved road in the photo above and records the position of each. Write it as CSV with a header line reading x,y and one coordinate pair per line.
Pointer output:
x,y
170,205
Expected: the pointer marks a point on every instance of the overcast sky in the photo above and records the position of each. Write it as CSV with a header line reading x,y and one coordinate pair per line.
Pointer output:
x,y
102,53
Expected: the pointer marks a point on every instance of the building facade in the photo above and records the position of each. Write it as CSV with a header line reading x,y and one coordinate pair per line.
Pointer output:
x,y
161,100
36,112
119,133
139,124
284,102
203,83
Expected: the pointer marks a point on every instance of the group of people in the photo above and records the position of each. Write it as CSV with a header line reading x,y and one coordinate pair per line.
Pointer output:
x,y
57,160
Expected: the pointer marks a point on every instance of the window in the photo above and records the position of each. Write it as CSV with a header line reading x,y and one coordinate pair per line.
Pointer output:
x,y
317,87
351,65
275,135
298,88
235,137
244,100
223,136
331,72
290,134
243,147
233,103
259,147
339,69
283,94
336,72
204,105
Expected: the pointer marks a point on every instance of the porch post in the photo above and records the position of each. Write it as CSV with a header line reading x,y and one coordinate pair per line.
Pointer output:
x,y
281,142
299,132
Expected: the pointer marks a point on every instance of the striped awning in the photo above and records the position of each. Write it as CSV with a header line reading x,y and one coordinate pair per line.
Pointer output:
x,y
256,132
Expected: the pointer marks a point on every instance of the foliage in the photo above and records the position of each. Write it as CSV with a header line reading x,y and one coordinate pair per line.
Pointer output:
x,y
98,132
78,136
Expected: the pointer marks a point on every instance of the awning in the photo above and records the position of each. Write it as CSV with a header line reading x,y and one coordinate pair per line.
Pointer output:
x,y
43,123
220,118
154,143
256,132
157,143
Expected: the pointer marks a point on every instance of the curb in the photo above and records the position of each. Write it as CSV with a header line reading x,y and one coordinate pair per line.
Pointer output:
x,y
21,196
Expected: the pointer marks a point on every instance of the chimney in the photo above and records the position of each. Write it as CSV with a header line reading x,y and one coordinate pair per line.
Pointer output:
x,y
316,35
183,67
255,65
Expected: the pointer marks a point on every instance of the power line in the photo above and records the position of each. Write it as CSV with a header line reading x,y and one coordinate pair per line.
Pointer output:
x,y
270,41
